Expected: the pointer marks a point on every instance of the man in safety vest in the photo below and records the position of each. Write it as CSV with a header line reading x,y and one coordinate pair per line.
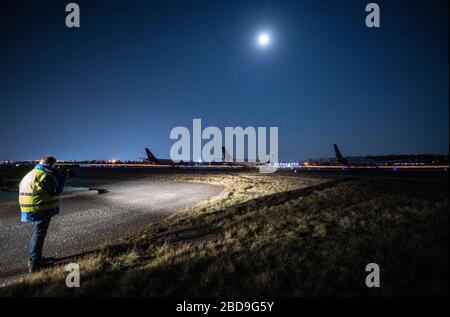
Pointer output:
x,y
39,194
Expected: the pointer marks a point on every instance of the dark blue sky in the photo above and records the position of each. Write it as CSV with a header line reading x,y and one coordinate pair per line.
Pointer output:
x,y
136,69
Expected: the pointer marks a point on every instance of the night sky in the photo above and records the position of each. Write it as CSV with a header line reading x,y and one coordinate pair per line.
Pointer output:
x,y
136,69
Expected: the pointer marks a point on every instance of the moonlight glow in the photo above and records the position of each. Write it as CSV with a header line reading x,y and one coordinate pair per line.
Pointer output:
x,y
263,39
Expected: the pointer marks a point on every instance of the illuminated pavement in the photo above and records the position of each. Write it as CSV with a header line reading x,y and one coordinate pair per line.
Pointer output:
x,y
88,220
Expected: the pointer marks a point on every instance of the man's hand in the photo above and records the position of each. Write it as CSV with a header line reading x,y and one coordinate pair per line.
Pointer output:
x,y
62,173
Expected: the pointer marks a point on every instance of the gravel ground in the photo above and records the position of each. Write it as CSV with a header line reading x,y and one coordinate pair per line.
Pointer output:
x,y
87,220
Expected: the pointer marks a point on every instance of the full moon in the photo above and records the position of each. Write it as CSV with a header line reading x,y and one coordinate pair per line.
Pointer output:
x,y
263,39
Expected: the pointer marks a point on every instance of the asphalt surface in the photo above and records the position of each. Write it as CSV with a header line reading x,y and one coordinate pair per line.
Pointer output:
x,y
89,220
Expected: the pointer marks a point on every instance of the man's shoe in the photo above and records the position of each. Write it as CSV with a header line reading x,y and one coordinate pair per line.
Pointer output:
x,y
42,264
33,267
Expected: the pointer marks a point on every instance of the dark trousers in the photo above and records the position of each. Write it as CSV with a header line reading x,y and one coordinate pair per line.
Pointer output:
x,y
37,239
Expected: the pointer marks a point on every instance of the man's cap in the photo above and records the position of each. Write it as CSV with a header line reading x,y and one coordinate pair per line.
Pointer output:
x,y
48,160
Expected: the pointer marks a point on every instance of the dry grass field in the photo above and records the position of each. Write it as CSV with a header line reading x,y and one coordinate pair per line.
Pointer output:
x,y
275,235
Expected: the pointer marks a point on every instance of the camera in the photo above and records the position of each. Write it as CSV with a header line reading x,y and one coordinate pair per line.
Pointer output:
x,y
65,172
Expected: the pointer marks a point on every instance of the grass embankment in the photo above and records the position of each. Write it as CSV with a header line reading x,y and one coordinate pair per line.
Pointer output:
x,y
276,235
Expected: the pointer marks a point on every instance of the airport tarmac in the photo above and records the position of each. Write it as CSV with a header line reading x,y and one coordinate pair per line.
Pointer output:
x,y
89,220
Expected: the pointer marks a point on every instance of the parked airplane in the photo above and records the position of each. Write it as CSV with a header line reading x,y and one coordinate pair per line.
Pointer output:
x,y
339,156
226,160
153,160
354,161
361,161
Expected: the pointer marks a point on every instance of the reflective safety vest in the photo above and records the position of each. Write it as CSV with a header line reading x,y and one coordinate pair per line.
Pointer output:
x,y
32,195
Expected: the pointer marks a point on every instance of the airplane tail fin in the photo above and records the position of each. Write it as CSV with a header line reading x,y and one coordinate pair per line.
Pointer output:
x,y
226,157
151,158
339,156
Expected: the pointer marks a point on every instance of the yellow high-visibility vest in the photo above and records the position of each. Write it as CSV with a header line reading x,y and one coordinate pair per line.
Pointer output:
x,y
32,196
